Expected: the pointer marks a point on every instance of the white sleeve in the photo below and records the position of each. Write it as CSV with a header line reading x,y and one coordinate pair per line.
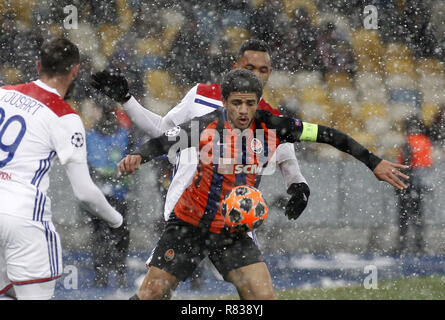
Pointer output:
x,y
68,139
155,125
90,195
144,119
183,112
288,163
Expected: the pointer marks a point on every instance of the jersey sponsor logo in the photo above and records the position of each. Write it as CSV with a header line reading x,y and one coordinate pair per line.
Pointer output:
x,y
246,168
77,139
173,132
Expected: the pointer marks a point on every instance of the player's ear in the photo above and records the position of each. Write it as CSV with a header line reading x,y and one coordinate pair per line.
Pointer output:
x,y
75,71
38,67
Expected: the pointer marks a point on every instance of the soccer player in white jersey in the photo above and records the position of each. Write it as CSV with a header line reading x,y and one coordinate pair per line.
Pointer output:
x,y
36,126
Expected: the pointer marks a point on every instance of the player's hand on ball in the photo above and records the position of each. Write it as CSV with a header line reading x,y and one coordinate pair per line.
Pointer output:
x,y
111,83
129,164
297,203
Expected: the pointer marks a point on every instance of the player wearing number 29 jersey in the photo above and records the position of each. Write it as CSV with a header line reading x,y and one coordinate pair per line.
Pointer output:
x,y
36,125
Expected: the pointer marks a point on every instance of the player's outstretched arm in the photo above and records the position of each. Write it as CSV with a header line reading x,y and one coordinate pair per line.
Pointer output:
x,y
90,195
113,84
292,130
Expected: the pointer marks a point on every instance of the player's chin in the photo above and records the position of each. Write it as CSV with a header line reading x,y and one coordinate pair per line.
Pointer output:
x,y
243,124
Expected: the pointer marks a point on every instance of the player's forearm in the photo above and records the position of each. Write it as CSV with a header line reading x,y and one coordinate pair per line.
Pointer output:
x,y
291,172
90,195
151,123
345,143
151,149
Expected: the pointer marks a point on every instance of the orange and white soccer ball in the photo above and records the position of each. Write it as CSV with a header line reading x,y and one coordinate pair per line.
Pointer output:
x,y
244,209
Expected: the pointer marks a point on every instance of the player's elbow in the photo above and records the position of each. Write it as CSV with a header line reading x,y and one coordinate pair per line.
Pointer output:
x,y
86,194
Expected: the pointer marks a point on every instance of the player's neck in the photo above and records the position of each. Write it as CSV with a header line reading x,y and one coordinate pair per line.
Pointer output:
x,y
60,83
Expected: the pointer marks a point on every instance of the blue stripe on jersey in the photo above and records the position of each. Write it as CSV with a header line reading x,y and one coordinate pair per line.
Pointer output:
x,y
39,210
43,207
35,205
214,197
43,168
208,104
39,206
240,179
266,155
48,160
33,181
50,248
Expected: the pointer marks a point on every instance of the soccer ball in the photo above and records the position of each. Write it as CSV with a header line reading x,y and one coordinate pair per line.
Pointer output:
x,y
244,209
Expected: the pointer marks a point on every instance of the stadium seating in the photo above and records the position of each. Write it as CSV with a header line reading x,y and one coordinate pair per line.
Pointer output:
x,y
22,9
429,112
367,42
160,86
338,79
306,79
235,36
289,7
314,105
125,14
109,35
87,45
11,75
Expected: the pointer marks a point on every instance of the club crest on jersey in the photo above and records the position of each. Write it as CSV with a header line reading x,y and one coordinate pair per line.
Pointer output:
x,y
173,132
169,255
297,122
77,139
256,146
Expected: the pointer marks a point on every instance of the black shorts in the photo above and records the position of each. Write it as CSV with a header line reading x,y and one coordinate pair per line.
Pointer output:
x,y
182,247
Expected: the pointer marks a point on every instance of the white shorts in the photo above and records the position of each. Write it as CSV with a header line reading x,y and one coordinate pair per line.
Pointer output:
x,y
30,257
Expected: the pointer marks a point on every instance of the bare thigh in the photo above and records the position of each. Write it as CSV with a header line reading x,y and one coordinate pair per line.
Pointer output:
x,y
253,282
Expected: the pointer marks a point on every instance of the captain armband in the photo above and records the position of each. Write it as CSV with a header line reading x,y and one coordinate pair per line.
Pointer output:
x,y
310,132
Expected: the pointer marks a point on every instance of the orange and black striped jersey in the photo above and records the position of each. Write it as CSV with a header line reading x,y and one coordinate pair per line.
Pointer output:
x,y
229,157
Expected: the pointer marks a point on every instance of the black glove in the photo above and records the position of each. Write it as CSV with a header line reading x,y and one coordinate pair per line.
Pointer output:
x,y
111,83
298,202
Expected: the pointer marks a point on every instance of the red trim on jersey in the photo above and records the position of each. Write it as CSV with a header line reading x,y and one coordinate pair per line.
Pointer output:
x,y
122,118
19,283
49,99
9,286
263,105
213,91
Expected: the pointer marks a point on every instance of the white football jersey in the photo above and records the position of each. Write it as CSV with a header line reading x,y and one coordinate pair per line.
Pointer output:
x,y
36,126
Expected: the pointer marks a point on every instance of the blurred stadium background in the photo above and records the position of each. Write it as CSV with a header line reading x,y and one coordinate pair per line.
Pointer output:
x,y
328,69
